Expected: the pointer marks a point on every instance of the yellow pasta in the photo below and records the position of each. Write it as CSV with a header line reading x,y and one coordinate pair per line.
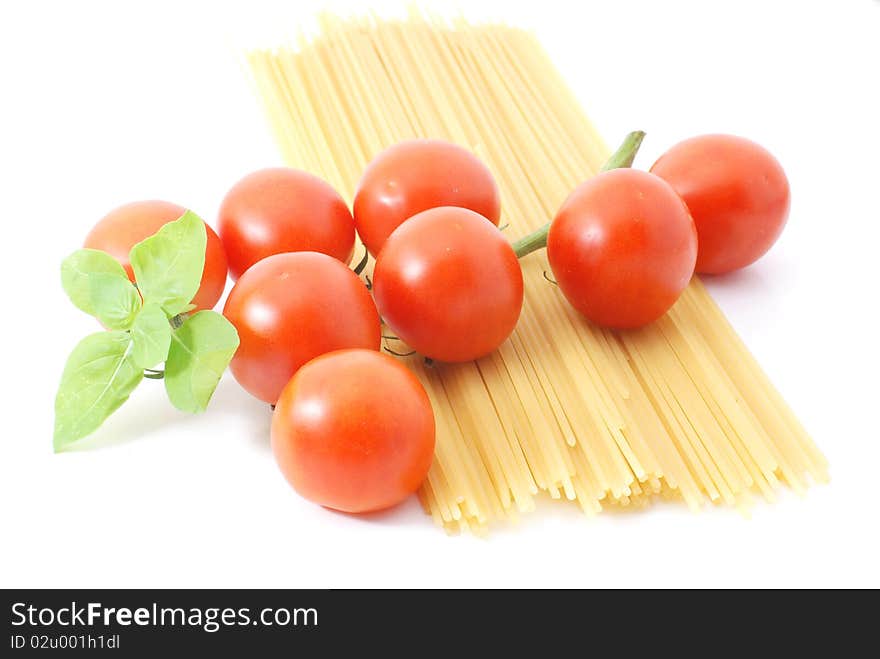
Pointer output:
x,y
675,410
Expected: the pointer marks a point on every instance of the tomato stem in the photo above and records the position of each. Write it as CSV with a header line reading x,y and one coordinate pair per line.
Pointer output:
x,y
623,157
399,354
626,152
532,242
153,374
359,268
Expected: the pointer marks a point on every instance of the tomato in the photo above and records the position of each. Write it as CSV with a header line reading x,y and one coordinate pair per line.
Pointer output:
x,y
122,228
737,193
622,248
278,210
354,431
416,175
449,284
290,308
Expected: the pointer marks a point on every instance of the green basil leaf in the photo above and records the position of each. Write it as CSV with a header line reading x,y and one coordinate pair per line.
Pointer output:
x,y
77,271
115,300
98,378
200,351
168,265
150,336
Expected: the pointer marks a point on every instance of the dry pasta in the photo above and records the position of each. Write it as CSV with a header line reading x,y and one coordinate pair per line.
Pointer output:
x,y
678,409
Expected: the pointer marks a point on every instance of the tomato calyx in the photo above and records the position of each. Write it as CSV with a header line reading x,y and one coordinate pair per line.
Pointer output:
x,y
622,157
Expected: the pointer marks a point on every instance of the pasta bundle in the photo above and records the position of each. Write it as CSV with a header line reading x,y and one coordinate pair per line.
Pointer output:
x,y
678,409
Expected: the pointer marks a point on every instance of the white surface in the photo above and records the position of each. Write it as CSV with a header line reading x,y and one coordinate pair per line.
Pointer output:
x,y
106,103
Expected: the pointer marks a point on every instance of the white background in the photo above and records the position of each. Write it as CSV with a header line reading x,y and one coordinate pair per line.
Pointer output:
x,y
105,103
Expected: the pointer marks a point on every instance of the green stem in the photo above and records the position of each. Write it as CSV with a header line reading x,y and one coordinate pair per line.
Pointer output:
x,y
153,374
623,157
532,242
178,320
626,152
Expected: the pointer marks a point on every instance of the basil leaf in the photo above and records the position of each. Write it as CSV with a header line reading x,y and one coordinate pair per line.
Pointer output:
x,y
98,378
168,265
78,270
115,300
150,336
200,351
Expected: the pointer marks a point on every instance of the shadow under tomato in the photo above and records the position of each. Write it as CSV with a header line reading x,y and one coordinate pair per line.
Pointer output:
x,y
403,514
747,279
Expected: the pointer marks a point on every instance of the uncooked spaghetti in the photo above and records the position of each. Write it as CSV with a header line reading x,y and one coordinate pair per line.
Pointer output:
x,y
678,409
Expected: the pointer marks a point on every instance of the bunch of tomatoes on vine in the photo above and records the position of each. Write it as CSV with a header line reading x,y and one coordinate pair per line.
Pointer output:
x,y
353,428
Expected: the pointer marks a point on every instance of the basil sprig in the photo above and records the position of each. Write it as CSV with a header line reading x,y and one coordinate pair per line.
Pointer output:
x,y
146,324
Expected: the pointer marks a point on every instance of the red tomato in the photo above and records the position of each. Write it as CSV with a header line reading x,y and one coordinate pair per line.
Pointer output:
x,y
121,229
278,210
416,175
622,248
354,431
290,308
737,194
449,284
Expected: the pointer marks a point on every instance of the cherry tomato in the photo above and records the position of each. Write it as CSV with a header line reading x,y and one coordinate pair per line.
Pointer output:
x,y
354,431
622,248
737,194
122,228
278,210
290,308
416,175
449,284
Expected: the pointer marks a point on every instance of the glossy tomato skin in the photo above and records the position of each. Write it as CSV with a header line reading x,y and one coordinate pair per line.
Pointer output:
x,y
449,284
416,175
122,228
278,210
622,248
737,193
354,431
288,309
